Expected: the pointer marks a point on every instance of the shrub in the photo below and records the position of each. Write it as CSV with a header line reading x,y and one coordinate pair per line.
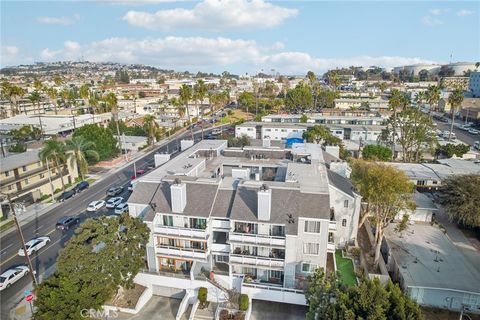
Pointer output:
x,y
243,302
44,197
57,190
224,315
355,251
239,316
17,148
202,294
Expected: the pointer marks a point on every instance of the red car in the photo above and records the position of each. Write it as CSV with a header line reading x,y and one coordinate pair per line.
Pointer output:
x,y
139,173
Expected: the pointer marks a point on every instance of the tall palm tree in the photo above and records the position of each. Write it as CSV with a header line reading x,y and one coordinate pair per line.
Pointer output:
x,y
35,99
151,127
185,96
55,152
312,79
455,99
84,93
433,96
201,91
37,84
394,103
81,149
112,103
52,94
93,102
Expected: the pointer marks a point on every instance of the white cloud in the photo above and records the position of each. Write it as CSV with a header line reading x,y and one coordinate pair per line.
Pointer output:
x,y
71,46
12,55
65,21
464,12
11,50
431,21
207,54
436,11
216,15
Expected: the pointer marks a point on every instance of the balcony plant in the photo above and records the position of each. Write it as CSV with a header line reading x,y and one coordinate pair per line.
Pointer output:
x,y
224,315
202,297
243,302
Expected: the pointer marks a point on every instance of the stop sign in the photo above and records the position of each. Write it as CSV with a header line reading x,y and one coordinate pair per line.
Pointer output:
x,y
28,295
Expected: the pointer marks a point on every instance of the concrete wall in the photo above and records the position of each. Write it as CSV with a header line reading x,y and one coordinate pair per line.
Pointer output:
x,y
351,214
274,294
446,299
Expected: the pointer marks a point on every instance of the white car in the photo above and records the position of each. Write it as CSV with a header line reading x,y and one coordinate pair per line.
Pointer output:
x,y
95,205
473,131
121,208
11,276
34,245
113,202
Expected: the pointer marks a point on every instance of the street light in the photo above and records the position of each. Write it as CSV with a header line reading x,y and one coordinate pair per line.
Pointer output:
x,y
20,234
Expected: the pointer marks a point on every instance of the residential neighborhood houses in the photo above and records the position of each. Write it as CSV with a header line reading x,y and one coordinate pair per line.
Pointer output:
x,y
172,178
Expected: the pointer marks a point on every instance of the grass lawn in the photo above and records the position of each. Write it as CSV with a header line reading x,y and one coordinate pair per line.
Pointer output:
x,y
7,225
345,268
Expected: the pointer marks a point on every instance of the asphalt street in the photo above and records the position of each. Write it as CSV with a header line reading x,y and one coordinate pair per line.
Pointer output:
x,y
462,135
44,260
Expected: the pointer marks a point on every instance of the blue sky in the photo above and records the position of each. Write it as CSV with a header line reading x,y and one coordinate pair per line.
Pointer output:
x,y
239,35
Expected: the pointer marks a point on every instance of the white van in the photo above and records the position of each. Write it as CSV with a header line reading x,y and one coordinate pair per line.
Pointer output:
x,y
476,145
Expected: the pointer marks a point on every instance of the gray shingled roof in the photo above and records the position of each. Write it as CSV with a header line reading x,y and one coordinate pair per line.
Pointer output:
x,y
284,202
18,160
223,203
341,183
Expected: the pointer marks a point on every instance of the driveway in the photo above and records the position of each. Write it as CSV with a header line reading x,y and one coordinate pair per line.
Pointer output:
x,y
262,310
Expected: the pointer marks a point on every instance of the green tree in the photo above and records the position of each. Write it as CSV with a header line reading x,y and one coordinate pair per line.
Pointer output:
x,y
99,261
320,134
246,101
55,152
82,150
303,118
35,99
151,127
386,190
433,96
455,99
376,152
323,290
52,94
450,149
185,95
112,103
105,143
461,199
299,97
200,91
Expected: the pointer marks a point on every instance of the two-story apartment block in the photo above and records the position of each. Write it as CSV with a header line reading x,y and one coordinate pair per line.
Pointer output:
x,y
26,178
258,220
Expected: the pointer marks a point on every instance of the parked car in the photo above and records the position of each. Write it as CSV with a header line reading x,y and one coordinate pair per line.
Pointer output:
x,y
130,187
113,202
140,172
66,195
95,205
473,131
82,186
121,208
476,145
12,275
113,191
65,223
34,245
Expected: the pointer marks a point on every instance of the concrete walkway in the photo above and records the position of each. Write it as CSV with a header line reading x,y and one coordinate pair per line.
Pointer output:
x,y
157,307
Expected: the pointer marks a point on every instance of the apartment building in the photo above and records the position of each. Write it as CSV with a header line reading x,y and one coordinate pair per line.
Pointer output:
x,y
365,118
378,104
256,219
284,131
26,178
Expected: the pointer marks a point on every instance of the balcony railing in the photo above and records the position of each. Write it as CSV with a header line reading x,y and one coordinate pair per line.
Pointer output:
x,y
332,225
271,287
257,261
256,239
180,232
221,247
182,252
221,224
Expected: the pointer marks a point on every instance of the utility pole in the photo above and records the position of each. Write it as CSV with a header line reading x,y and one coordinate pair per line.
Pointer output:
x,y
22,239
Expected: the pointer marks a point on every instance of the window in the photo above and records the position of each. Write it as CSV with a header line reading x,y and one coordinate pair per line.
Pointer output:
x,y
7,173
330,237
39,164
308,267
25,181
197,223
9,187
311,248
42,175
344,222
312,226
168,221
345,203
24,168
275,274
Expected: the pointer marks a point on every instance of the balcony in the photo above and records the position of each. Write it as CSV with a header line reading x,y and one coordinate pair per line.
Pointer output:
x,y
331,247
220,224
257,261
220,247
257,239
332,226
180,232
182,252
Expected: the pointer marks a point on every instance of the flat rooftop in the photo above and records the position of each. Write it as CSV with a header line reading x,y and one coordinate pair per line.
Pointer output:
x,y
427,258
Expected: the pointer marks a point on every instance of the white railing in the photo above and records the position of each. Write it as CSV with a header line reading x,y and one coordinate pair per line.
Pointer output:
x,y
256,239
257,261
222,247
182,252
332,225
180,232
273,288
220,224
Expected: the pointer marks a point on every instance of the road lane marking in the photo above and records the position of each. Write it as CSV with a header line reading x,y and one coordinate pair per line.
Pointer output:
x,y
5,261
50,232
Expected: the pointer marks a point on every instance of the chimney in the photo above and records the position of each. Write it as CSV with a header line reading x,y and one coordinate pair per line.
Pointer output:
x,y
178,194
264,204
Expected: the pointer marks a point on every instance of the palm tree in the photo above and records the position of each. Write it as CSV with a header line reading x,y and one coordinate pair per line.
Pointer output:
x,y
433,96
58,80
55,152
201,91
81,149
52,94
93,102
312,79
455,99
151,127
394,102
112,103
35,99
185,96
84,93
37,84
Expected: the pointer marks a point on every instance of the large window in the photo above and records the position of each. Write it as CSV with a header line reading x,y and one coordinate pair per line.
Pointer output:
x,y
308,267
168,221
312,226
196,223
311,248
